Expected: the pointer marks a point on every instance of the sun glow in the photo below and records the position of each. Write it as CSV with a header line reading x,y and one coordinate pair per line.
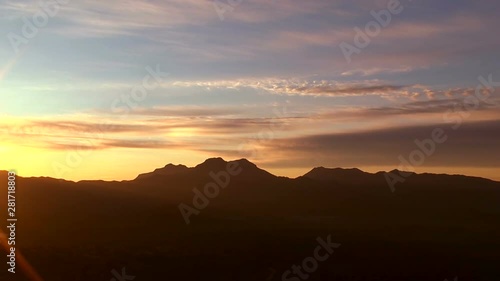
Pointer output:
x,y
182,132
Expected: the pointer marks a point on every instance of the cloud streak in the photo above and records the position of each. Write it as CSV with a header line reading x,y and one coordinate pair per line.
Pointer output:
x,y
473,145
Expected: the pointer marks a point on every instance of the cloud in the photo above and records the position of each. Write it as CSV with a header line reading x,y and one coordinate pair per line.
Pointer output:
x,y
475,144
431,106
375,71
94,18
295,86
336,88
189,111
146,131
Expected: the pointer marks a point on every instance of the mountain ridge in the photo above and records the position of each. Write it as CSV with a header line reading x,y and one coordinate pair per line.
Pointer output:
x,y
216,164
426,216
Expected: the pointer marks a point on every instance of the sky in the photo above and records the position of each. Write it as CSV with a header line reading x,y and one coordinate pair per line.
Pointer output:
x,y
110,89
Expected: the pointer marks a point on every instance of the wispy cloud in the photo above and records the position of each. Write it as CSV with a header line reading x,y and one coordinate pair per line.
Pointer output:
x,y
302,87
227,76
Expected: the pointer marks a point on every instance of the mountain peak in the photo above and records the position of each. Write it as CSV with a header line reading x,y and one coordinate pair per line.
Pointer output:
x,y
248,169
169,169
172,166
212,163
209,165
328,174
243,162
324,169
218,162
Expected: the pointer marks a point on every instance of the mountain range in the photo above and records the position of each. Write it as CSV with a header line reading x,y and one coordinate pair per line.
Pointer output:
x,y
433,227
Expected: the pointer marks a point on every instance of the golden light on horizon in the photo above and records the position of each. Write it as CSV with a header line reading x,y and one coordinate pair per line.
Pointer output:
x,y
182,132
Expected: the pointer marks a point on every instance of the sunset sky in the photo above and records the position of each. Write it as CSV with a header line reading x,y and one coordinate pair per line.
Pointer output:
x,y
268,82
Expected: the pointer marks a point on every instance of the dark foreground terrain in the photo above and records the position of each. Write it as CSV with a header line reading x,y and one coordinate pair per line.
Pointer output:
x,y
433,227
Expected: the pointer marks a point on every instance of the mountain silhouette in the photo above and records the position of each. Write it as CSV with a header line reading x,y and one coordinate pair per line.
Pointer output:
x,y
169,169
250,171
351,176
433,226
